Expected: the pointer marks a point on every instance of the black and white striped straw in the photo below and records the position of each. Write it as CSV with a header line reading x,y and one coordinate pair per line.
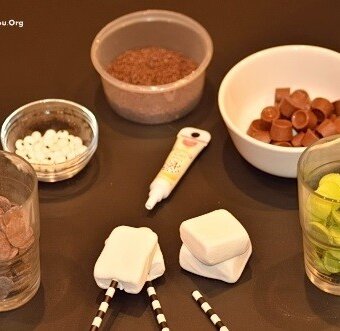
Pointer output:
x,y
97,321
156,307
209,311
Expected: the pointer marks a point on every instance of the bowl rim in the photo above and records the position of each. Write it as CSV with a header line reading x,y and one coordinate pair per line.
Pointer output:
x,y
69,163
152,15
232,72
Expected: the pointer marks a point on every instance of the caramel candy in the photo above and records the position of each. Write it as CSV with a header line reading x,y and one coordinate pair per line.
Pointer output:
x,y
18,234
337,124
336,105
303,119
283,143
269,114
333,117
281,130
309,138
326,128
297,139
322,108
301,96
280,93
288,106
263,136
256,126
7,252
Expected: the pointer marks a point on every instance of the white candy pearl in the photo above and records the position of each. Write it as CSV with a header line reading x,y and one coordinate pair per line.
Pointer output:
x,y
52,148
19,144
36,135
62,142
59,159
50,140
62,134
28,140
81,149
20,152
77,142
50,133
39,155
70,155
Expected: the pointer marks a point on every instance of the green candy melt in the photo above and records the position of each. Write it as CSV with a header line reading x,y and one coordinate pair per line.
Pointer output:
x,y
331,263
323,224
336,216
332,178
329,190
319,232
319,208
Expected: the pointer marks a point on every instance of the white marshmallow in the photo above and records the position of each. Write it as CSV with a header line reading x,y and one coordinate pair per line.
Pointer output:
x,y
214,237
228,271
127,257
157,266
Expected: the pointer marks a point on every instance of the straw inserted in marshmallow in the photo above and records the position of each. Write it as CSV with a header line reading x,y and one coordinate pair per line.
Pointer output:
x,y
97,321
156,307
209,311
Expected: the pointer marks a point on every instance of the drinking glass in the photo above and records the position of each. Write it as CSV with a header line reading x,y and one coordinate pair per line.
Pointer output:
x,y
19,232
319,209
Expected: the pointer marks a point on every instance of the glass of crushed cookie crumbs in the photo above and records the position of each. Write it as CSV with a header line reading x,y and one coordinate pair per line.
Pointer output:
x,y
19,232
152,64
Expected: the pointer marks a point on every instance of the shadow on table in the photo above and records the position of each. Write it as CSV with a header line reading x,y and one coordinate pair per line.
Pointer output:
x,y
268,189
288,300
105,114
213,287
67,189
26,317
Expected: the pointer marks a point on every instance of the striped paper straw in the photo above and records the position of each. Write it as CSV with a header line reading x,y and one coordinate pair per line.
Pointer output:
x,y
97,321
209,311
156,307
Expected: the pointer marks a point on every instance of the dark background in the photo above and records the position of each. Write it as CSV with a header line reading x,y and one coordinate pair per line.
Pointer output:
x,y
50,58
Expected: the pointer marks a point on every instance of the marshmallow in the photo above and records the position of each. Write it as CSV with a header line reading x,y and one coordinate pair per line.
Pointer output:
x,y
228,271
158,266
214,237
127,258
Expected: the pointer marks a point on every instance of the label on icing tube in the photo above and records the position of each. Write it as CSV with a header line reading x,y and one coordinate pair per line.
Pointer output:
x,y
189,143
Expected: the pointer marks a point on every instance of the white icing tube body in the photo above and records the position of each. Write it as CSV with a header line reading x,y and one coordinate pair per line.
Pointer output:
x,y
189,143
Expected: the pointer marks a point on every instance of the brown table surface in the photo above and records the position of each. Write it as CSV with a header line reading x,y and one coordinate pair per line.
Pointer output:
x,y
49,57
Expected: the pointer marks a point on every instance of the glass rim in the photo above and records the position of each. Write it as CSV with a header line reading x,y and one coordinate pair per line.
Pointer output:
x,y
31,170
302,159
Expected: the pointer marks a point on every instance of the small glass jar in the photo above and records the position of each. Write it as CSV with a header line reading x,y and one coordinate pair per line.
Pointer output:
x,y
56,114
320,214
19,232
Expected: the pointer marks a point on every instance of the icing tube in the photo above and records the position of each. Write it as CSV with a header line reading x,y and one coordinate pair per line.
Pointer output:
x,y
189,143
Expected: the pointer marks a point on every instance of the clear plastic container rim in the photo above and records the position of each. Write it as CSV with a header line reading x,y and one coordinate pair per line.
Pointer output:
x,y
91,119
152,15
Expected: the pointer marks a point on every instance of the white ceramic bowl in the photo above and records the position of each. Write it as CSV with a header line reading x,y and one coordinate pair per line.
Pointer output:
x,y
250,86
